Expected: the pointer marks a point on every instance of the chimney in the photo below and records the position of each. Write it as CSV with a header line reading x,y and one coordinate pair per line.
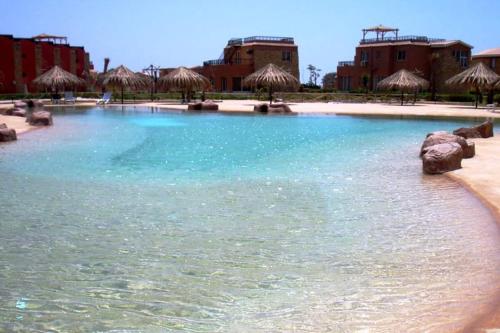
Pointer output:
x,y
106,64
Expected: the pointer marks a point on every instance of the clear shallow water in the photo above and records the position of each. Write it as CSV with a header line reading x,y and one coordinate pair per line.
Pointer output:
x,y
132,221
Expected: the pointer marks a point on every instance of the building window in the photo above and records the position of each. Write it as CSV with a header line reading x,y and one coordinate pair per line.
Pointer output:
x,y
364,58
377,54
237,59
223,84
461,57
401,56
286,56
493,63
345,83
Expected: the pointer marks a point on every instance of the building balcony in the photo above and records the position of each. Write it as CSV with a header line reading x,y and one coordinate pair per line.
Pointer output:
x,y
420,39
263,39
217,62
345,64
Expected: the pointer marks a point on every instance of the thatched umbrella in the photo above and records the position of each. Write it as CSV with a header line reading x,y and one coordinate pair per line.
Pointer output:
x,y
123,77
273,78
57,79
403,80
478,76
184,80
497,85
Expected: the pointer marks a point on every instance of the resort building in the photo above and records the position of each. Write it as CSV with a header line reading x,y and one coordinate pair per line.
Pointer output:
x,y
490,58
243,56
434,59
23,59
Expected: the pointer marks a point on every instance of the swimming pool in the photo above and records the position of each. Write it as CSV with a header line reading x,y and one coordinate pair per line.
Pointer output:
x,y
133,220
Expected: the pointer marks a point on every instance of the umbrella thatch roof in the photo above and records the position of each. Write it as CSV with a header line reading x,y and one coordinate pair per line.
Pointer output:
x,y
477,76
123,77
184,79
58,79
272,77
497,85
403,80
148,80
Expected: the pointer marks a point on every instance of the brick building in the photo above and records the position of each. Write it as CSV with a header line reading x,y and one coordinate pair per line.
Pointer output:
x,y
243,56
490,58
23,59
436,60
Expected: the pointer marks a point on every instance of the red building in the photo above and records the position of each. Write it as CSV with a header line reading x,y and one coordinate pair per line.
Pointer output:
x,y
376,58
490,58
23,59
243,56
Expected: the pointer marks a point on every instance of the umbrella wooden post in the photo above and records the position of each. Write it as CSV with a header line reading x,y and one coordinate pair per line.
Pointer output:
x,y
477,95
402,98
122,94
270,95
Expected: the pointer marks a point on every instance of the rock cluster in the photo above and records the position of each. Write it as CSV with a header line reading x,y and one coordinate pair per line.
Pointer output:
x,y
40,118
205,106
442,152
7,134
273,108
484,130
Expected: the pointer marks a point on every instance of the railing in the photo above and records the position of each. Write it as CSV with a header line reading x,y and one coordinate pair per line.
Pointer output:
x,y
423,39
345,63
214,62
239,41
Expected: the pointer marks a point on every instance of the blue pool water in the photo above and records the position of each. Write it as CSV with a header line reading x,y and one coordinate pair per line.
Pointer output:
x,y
135,220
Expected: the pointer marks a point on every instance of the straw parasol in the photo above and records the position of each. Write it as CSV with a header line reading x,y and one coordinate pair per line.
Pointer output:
x,y
403,80
273,78
123,77
497,85
478,76
185,80
57,79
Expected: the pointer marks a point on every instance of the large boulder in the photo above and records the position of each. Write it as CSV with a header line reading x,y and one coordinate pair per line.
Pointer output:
x,y
34,103
40,118
467,132
3,126
484,130
20,104
442,158
19,113
279,108
262,108
207,106
8,112
440,137
7,134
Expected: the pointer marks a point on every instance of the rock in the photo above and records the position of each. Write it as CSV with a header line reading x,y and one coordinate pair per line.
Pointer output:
x,y
279,108
262,108
3,126
8,112
19,113
273,108
467,132
7,134
40,118
470,151
20,104
484,130
442,158
435,139
207,106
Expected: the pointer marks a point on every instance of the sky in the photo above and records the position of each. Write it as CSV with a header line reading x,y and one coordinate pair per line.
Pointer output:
x,y
172,33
